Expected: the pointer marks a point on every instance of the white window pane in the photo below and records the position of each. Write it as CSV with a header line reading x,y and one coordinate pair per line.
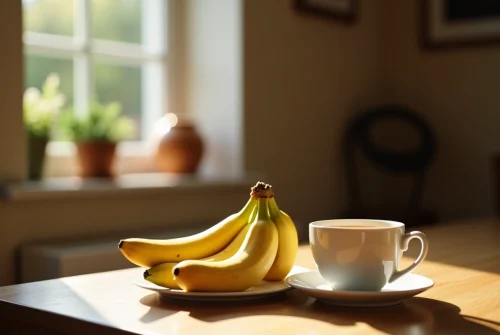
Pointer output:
x,y
49,16
37,69
117,20
122,84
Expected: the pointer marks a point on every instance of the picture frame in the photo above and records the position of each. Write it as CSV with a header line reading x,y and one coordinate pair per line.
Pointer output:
x,y
340,10
460,23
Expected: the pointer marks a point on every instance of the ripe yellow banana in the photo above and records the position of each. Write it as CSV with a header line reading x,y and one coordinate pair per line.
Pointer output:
x,y
162,275
148,252
243,270
288,243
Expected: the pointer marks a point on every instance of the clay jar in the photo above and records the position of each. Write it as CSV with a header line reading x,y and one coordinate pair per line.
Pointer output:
x,y
95,159
180,150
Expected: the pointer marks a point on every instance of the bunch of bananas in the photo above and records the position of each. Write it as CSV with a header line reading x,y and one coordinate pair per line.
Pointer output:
x,y
259,242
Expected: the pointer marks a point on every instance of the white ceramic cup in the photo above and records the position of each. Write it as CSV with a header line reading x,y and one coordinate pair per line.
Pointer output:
x,y
361,255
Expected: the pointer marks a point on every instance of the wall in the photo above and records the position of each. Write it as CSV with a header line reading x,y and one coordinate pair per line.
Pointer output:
x,y
304,76
117,214
207,72
458,92
213,80
12,144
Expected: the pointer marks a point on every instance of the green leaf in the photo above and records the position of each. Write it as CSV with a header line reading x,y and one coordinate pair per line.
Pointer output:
x,y
102,123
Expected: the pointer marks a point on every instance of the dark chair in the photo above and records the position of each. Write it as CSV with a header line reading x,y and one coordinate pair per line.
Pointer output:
x,y
495,175
414,164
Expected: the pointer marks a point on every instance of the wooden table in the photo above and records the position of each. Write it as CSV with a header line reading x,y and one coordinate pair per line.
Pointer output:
x,y
463,260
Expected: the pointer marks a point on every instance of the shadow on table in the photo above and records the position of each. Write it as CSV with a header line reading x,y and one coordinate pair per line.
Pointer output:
x,y
158,309
415,316
37,309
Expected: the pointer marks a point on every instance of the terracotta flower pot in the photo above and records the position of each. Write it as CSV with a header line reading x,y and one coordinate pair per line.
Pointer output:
x,y
180,150
96,159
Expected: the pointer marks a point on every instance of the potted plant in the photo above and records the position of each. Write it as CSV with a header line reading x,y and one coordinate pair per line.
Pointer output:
x,y
96,135
39,111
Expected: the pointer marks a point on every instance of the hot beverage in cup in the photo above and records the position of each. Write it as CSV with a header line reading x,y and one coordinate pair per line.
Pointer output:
x,y
361,255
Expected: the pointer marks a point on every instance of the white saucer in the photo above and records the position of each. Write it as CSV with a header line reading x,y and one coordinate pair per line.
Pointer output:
x,y
264,289
313,284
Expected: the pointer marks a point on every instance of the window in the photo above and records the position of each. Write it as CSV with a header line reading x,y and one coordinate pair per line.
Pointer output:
x,y
113,50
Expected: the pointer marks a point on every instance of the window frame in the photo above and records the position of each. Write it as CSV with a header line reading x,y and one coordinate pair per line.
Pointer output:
x,y
150,56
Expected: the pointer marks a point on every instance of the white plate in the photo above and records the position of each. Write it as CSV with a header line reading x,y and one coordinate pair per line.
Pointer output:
x,y
313,284
264,289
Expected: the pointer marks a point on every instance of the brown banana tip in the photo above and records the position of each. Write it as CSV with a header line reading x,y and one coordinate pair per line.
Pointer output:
x,y
261,190
146,274
176,271
120,244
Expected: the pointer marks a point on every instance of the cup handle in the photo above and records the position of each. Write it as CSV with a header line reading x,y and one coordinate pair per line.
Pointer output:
x,y
404,246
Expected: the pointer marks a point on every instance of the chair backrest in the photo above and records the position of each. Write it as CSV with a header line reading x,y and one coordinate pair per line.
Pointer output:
x,y
414,161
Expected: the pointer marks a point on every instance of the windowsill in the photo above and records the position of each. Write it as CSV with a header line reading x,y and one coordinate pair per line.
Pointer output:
x,y
136,184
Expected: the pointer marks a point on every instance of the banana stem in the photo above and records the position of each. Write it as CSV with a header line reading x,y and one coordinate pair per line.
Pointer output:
x,y
263,210
274,211
249,207
254,214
